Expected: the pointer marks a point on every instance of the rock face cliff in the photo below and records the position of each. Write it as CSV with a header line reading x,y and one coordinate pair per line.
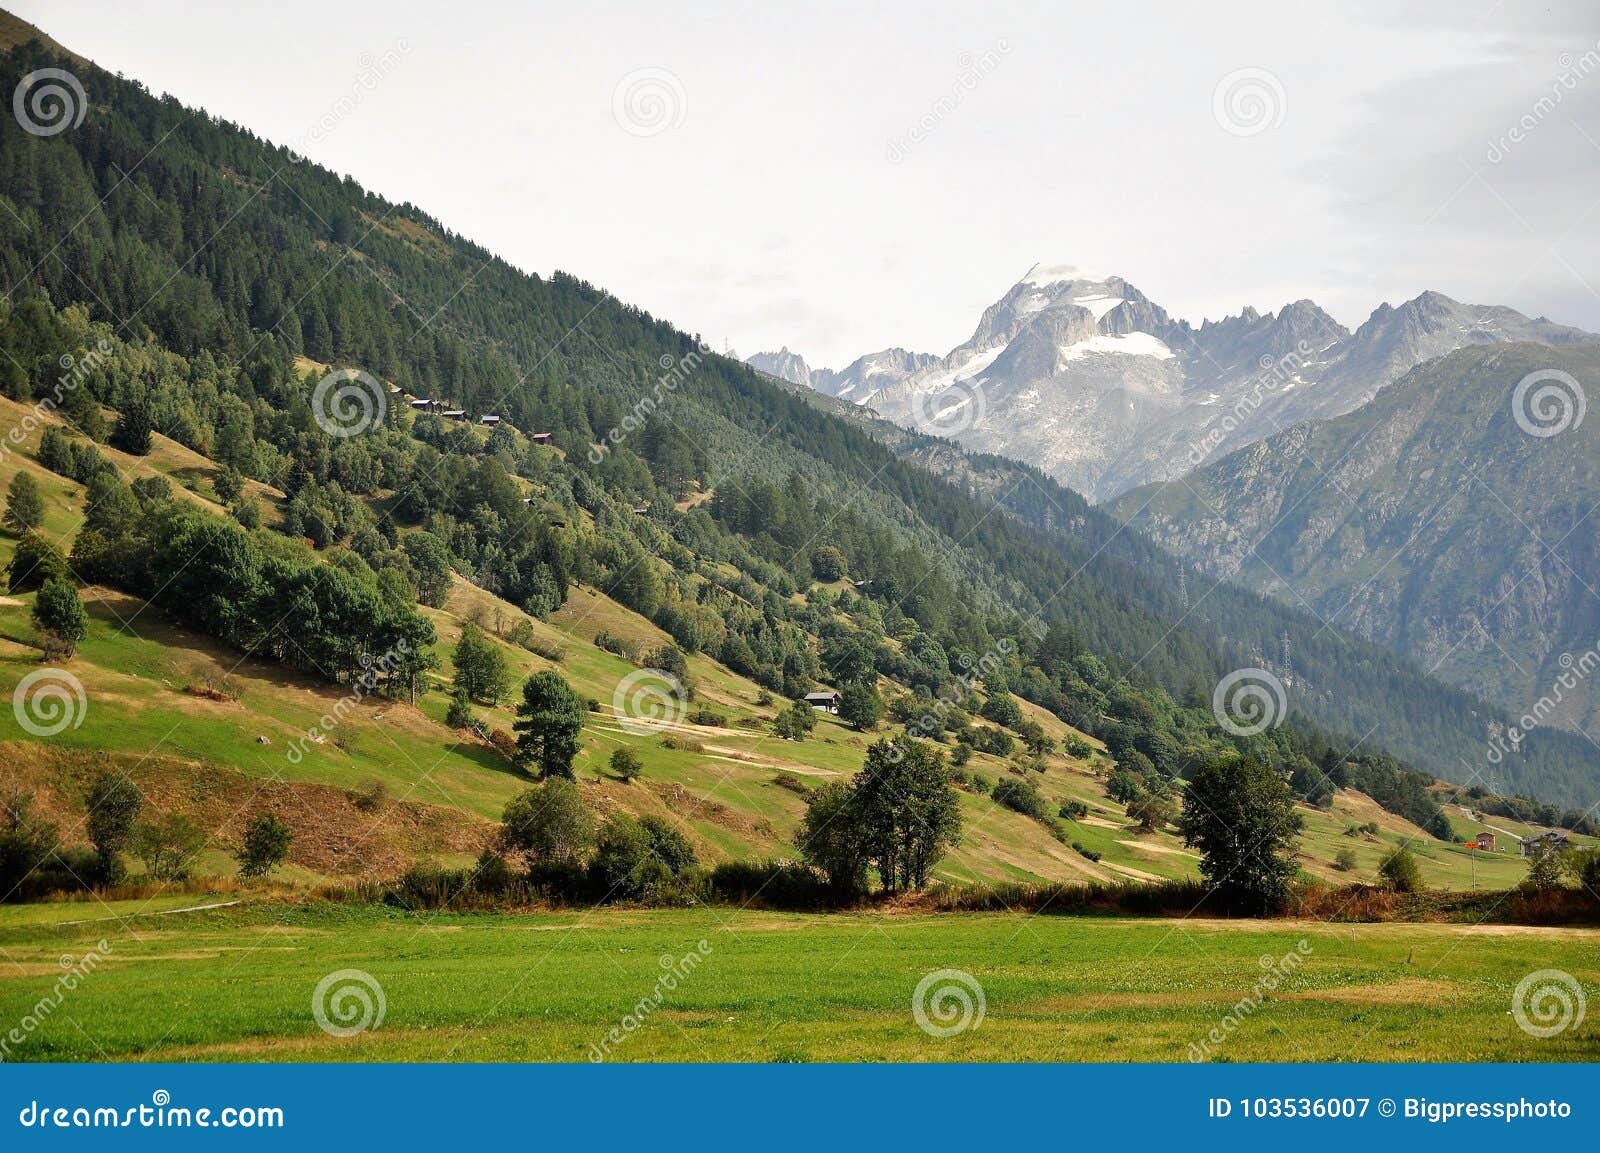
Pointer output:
x,y
1084,376
1455,519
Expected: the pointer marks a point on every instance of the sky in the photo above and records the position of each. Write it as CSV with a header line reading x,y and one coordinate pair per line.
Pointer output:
x,y
841,178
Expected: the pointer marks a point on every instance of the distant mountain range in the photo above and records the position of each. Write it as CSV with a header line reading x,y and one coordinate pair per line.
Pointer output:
x,y
1431,520
1084,376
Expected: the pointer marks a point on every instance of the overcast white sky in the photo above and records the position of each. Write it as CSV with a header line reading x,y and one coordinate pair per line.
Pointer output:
x,y
784,200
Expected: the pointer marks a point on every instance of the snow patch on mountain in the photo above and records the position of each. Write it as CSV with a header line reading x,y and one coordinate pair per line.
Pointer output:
x,y
1129,344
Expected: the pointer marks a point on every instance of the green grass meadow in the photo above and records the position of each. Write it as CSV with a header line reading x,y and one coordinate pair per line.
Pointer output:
x,y
238,984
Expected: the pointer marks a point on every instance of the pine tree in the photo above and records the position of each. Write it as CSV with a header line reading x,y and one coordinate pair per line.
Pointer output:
x,y
548,722
132,434
24,504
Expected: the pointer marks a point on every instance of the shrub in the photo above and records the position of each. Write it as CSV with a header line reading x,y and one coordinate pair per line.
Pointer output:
x,y
1020,796
28,848
1545,873
1585,869
791,782
1073,810
549,823
668,844
1152,811
370,799
611,644
24,504
265,847
170,847
1083,852
625,763
1344,860
795,722
708,717
624,864
59,614
35,561
1401,872
771,884
113,803
459,715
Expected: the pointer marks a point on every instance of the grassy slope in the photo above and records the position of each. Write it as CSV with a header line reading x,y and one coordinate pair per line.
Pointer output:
x,y
233,984
134,667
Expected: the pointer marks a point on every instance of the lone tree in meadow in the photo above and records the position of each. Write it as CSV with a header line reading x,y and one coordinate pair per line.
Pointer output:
x,y
548,722
900,816
114,803
24,504
265,846
59,614
480,666
860,708
625,763
795,722
1240,814
1400,871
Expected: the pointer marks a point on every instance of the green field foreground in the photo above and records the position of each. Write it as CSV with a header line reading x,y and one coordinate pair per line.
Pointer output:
x,y
238,983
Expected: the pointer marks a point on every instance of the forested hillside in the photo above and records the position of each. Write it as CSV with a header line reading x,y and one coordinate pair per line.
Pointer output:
x,y
1431,520
213,267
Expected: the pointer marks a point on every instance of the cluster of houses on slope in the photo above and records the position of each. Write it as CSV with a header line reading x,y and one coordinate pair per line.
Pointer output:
x,y
1552,841
449,412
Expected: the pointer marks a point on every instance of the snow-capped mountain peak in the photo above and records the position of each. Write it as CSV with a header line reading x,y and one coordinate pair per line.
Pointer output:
x,y
1084,376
